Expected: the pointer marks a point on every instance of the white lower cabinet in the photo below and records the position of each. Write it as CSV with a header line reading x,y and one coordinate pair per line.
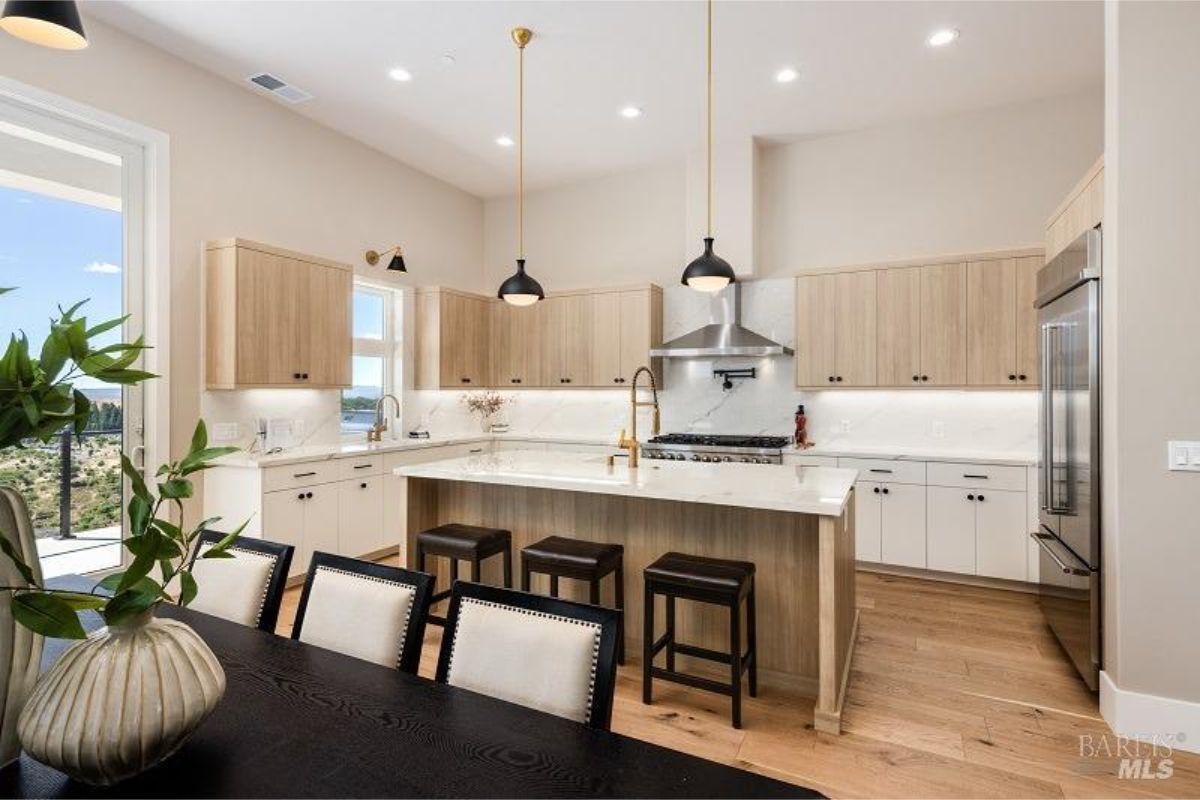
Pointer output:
x,y
951,530
1000,536
868,523
360,515
306,518
889,523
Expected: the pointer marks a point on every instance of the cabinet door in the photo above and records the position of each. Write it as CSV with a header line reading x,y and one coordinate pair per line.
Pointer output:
x,y
567,347
463,341
320,520
992,322
898,326
636,333
951,534
327,317
272,299
360,516
867,499
816,296
1000,537
1027,328
513,345
606,366
902,524
283,522
944,325
854,339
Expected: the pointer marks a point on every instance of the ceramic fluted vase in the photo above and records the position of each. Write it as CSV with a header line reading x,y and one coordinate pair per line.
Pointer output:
x,y
20,649
122,700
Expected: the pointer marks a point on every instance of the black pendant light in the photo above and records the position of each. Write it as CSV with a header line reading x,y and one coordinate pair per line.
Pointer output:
x,y
49,23
520,289
709,272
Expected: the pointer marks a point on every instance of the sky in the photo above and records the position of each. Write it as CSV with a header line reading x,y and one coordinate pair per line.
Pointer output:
x,y
57,252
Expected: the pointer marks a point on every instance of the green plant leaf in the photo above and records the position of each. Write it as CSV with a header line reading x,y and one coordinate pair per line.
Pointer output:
x,y
80,601
9,550
48,615
109,582
104,327
83,408
135,479
142,563
198,459
199,437
7,289
175,489
55,352
218,549
187,587
131,602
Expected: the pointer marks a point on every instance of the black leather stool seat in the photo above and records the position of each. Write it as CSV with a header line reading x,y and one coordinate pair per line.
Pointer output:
x,y
573,555
700,572
464,542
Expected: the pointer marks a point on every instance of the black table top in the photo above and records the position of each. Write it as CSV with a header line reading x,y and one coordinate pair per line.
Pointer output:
x,y
299,721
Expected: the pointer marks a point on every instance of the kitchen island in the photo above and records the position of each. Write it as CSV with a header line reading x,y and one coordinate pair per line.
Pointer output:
x,y
795,523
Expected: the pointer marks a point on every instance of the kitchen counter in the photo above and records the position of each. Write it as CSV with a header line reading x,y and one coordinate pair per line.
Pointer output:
x,y
795,523
1020,458
822,491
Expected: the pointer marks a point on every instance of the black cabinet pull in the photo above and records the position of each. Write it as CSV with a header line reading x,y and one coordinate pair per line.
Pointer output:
x,y
304,375
970,497
976,477
839,378
1021,377
308,496
831,379
303,474
465,380
981,498
1012,377
296,376
362,466
924,377
876,490
884,471
916,378
300,496
885,491
362,486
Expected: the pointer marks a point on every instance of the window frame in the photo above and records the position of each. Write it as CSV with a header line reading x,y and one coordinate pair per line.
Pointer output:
x,y
389,347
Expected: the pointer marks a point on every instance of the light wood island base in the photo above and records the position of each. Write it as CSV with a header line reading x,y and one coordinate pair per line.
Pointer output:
x,y
805,573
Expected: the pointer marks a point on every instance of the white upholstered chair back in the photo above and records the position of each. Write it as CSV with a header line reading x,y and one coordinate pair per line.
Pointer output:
x,y
246,588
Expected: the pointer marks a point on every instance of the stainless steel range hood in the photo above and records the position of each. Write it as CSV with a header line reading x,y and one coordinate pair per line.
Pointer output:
x,y
724,336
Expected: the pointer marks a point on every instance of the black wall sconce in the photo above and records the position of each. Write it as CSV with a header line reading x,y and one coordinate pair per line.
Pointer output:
x,y
728,375
395,265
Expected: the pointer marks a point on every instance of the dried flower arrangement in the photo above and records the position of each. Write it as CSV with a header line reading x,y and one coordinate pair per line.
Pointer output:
x,y
484,404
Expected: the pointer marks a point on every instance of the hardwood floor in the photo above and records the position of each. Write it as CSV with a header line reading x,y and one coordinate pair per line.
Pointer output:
x,y
956,691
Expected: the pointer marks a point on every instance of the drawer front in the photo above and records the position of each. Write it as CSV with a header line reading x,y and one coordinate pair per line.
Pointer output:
x,y
810,461
293,475
886,470
977,476
421,455
360,466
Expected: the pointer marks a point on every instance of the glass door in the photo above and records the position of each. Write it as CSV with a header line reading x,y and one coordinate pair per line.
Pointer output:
x,y
71,229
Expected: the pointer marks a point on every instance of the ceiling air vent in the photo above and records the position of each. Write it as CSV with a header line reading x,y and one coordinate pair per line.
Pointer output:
x,y
279,88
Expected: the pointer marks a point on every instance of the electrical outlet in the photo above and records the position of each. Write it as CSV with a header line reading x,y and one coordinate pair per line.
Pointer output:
x,y
1183,456
939,429
226,431
845,426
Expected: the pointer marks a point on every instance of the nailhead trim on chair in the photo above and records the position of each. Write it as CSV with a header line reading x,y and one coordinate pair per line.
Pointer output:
x,y
407,615
595,640
262,596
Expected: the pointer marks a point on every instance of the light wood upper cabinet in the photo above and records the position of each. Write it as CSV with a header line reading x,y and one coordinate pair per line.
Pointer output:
x,y
898,319
835,329
944,325
452,340
513,341
1082,209
606,340
816,298
275,318
566,350
626,324
1027,327
1001,322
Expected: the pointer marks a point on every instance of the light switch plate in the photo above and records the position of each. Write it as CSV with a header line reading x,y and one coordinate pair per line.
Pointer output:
x,y
1183,456
226,431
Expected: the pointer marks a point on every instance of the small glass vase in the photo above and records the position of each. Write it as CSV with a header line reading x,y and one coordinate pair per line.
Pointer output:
x,y
122,700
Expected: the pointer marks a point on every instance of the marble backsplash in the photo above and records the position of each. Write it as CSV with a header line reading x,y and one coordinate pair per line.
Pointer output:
x,y
693,400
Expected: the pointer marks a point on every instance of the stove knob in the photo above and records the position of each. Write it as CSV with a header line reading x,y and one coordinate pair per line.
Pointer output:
x,y
695,458
727,458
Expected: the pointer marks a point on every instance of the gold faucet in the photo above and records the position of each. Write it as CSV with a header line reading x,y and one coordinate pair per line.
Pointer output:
x,y
631,443
375,432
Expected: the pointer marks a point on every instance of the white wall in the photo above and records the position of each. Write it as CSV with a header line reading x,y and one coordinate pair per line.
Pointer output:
x,y
968,183
1151,370
243,165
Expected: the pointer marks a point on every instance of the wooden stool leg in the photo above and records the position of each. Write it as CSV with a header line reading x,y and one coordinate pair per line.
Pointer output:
x,y
619,593
752,642
554,586
647,643
508,568
670,633
735,662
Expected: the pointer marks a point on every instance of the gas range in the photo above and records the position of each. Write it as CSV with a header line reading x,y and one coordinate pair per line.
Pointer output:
x,y
711,448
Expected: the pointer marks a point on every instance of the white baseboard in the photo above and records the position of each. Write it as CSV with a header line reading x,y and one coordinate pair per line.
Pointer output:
x,y
1148,716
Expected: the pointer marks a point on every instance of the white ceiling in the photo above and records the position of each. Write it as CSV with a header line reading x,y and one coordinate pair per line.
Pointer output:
x,y
861,64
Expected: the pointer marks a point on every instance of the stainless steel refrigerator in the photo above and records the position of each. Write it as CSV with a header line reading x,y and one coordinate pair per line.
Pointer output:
x,y
1068,532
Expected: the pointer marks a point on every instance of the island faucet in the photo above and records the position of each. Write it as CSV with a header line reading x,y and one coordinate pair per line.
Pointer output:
x,y
375,433
631,443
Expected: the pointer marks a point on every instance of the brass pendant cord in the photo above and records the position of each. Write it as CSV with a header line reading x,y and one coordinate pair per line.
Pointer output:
x,y
708,111
521,42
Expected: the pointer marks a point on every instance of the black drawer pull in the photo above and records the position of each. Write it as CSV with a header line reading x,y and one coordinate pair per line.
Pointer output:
x,y
976,477
362,466
885,471
303,474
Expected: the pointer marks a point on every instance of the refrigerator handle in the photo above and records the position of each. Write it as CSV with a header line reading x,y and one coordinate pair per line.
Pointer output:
x,y
1041,539
1047,501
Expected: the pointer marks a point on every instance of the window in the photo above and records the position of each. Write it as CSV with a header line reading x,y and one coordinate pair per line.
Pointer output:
x,y
373,366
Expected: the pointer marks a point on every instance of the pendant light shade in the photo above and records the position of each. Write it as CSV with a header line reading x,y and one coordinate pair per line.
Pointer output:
x,y
520,289
49,23
709,272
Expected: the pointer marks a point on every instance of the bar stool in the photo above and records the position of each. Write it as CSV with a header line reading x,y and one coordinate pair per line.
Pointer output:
x,y
560,557
705,580
470,543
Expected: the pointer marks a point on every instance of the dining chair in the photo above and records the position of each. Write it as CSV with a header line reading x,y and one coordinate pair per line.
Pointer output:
x,y
359,608
247,588
554,655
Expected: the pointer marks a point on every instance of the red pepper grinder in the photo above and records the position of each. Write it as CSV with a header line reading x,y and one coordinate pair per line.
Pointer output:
x,y
801,428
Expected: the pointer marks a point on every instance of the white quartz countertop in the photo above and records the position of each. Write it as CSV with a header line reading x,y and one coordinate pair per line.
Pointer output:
x,y
1020,458
806,490
303,454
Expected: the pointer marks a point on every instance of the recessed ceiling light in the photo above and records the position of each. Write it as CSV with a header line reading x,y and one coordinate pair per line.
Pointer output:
x,y
942,37
631,112
786,75
505,141
399,74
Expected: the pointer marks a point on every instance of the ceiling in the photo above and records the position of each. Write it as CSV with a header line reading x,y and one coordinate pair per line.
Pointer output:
x,y
861,64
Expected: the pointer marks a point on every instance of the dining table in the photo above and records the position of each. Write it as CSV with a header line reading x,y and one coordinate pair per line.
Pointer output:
x,y
301,721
